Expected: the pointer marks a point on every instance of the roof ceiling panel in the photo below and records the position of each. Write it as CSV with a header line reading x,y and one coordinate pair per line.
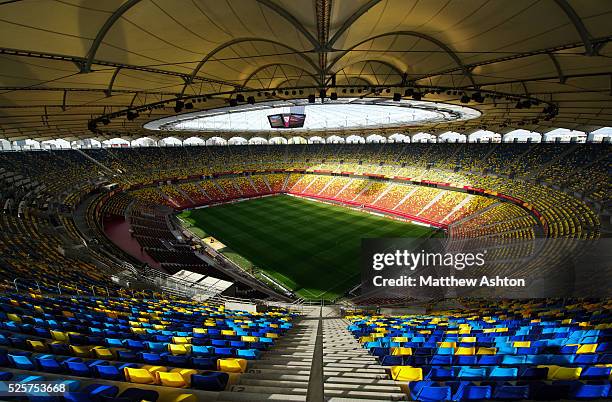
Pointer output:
x,y
157,49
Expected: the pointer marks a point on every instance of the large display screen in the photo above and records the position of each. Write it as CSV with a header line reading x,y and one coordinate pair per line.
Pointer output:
x,y
287,120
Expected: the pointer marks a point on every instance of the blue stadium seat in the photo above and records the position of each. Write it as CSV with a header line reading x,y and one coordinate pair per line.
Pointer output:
x,y
210,381
109,372
503,373
509,392
472,392
591,390
92,392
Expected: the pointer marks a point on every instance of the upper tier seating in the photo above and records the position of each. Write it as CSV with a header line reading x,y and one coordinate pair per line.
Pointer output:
x,y
41,189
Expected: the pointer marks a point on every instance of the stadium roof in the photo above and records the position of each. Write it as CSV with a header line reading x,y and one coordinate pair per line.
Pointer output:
x,y
72,69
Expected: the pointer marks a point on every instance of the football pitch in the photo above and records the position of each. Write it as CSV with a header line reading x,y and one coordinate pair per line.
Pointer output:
x,y
311,248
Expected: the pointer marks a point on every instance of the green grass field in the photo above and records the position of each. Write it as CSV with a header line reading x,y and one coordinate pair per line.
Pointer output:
x,y
311,248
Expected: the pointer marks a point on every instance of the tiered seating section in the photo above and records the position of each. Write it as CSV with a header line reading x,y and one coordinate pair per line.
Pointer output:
x,y
510,350
138,349
31,259
150,228
40,190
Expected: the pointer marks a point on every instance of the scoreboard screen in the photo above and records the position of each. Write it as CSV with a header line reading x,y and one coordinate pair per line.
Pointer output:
x,y
287,120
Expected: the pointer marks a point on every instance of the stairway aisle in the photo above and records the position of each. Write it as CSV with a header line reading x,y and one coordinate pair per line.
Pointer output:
x,y
282,373
350,372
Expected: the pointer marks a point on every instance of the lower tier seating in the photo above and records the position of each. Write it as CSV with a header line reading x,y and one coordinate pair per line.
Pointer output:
x,y
128,347
508,350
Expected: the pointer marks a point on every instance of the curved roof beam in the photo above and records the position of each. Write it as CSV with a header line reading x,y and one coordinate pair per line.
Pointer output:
x,y
234,42
575,19
385,63
466,71
261,68
557,67
367,82
91,54
279,86
109,90
354,17
291,19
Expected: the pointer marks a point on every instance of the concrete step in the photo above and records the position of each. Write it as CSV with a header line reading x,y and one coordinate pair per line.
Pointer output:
x,y
283,360
350,359
357,380
274,383
360,369
343,365
359,374
280,389
391,388
345,353
350,372
256,397
279,371
283,355
260,364
275,376
354,394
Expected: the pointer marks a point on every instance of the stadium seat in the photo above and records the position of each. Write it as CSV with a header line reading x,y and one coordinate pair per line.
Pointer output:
x,y
232,365
210,381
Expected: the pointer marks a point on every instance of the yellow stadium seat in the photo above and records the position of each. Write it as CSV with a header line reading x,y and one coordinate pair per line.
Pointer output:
x,y
170,379
185,373
103,353
399,351
486,351
586,348
138,375
271,335
180,340
59,336
406,373
13,317
522,344
232,365
471,339
365,339
447,344
200,330
81,351
562,373
154,369
185,398
399,339
37,345
249,338
179,349
465,351
228,332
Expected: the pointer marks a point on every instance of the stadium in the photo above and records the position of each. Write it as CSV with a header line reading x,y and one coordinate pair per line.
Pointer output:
x,y
314,200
